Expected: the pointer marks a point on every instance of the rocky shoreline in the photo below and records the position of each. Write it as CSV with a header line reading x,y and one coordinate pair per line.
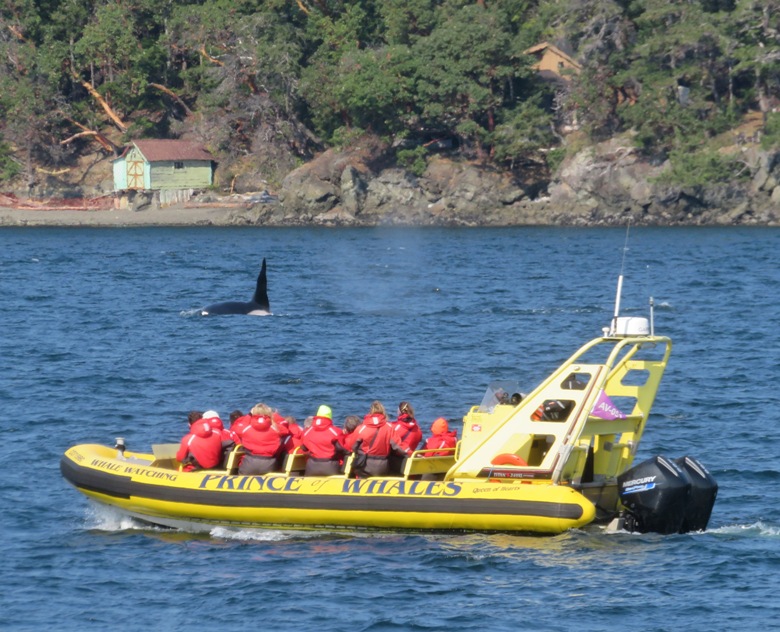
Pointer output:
x,y
603,185
608,184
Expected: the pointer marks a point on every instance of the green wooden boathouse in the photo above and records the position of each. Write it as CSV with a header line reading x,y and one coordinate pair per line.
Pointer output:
x,y
157,165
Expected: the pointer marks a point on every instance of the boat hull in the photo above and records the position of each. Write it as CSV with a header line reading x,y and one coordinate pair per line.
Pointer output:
x,y
200,501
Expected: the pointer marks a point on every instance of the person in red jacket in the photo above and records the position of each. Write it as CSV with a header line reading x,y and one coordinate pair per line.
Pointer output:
x,y
228,437
231,428
213,420
240,422
292,439
200,448
405,430
323,442
262,442
351,423
441,438
374,437
406,426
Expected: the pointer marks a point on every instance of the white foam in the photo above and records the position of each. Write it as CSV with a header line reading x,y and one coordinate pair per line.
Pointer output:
x,y
757,528
251,535
106,518
276,535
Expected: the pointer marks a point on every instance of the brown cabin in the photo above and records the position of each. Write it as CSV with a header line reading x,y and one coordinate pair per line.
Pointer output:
x,y
552,62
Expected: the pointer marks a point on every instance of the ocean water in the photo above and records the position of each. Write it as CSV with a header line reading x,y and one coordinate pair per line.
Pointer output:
x,y
100,338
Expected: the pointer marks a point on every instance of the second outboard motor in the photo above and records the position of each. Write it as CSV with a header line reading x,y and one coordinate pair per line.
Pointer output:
x,y
655,494
704,489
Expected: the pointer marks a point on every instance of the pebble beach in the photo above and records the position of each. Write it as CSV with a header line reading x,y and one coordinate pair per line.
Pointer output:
x,y
169,216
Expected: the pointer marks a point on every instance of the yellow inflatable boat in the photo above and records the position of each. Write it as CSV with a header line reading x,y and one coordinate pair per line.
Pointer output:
x,y
153,491
554,459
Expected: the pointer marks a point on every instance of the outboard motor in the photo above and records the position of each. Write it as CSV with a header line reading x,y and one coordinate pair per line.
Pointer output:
x,y
655,494
704,489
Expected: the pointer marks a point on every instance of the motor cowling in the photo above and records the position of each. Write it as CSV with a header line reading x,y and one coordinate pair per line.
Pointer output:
x,y
655,495
704,490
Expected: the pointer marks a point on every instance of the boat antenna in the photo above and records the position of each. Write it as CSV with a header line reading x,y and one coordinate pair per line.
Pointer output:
x,y
620,281
652,317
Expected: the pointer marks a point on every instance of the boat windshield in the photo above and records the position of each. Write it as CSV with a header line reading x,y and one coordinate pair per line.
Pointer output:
x,y
501,392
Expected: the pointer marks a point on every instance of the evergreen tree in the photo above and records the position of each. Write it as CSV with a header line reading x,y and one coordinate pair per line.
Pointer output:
x,y
247,75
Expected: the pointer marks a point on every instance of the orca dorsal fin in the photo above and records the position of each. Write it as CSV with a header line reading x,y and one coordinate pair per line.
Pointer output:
x,y
261,292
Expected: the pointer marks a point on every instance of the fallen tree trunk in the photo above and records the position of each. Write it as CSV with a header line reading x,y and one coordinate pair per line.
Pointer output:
x,y
173,95
85,131
102,102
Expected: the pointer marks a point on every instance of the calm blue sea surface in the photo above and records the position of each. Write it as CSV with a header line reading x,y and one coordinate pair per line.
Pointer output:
x,y
100,339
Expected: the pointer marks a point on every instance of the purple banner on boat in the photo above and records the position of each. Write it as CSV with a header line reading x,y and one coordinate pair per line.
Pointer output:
x,y
604,408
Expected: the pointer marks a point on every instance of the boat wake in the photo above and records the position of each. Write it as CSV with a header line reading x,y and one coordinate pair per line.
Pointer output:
x,y
104,518
759,528
252,535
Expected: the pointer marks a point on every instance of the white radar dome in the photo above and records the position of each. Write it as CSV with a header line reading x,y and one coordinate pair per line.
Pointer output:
x,y
631,326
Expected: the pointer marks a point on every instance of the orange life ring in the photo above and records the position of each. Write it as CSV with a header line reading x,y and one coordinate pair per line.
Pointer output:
x,y
508,459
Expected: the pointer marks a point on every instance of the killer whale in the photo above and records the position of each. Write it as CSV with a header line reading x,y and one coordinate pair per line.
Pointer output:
x,y
258,306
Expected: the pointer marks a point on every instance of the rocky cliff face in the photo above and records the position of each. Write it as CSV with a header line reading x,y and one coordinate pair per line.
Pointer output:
x,y
342,189
609,183
606,184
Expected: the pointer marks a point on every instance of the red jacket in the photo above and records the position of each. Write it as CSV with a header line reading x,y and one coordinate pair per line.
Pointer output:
x,y
201,444
292,439
216,424
323,440
377,436
239,425
444,440
261,438
407,431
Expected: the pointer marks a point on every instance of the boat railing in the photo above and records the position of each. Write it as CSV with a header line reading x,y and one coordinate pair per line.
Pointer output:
x,y
419,463
295,462
234,458
429,462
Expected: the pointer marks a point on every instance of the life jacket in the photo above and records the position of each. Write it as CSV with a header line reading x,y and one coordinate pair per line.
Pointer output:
x,y
552,410
292,439
365,431
377,437
439,441
407,431
322,440
201,448
216,424
239,425
261,438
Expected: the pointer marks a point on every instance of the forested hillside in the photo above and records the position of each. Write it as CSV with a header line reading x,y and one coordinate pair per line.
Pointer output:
x,y
266,84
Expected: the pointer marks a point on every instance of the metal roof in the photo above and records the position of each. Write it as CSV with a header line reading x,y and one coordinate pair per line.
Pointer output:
x,y
162,150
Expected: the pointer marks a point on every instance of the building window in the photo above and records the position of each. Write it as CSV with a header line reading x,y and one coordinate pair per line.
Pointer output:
x,y
178,165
